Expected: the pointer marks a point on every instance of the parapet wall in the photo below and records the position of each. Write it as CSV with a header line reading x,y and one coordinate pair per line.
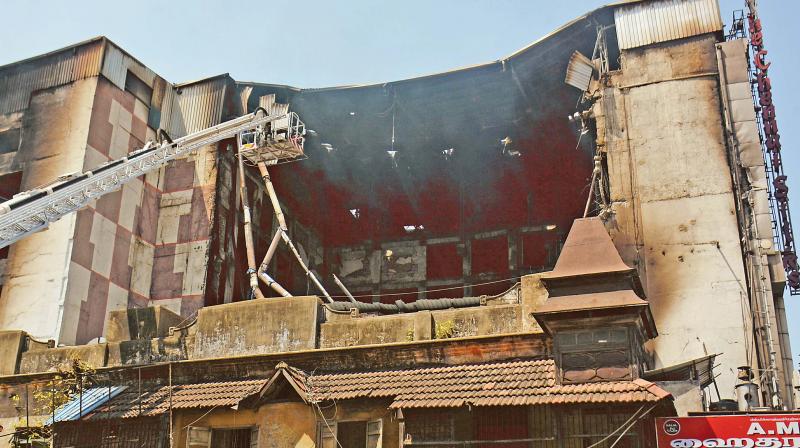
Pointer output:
x,y
156,335
273,325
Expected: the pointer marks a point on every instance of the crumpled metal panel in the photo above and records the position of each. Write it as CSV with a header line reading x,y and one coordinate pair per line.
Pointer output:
x,y
579,71
647,23
20,79
190,108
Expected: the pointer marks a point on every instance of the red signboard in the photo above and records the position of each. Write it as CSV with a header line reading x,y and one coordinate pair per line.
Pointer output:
x,y
761,430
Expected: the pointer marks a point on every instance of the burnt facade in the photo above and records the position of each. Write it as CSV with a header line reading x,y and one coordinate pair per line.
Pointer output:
x,y
443,203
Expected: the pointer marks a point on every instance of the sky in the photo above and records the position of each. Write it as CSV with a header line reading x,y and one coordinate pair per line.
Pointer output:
x,y
320,43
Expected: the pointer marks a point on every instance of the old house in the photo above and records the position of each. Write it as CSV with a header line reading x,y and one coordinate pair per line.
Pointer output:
x,y
587,388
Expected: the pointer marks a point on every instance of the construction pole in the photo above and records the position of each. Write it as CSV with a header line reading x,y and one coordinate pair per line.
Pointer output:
x,y
344,289
310,274
273,197
273,246
248,233
282,228
269,281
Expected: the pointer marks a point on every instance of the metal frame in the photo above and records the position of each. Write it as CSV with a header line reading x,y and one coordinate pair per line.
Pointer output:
x,y
34,210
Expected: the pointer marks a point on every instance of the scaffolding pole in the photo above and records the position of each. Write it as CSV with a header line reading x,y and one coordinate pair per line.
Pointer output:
x,y
282,232
248,233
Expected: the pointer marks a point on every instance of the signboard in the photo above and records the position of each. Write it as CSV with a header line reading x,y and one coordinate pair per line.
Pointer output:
x,y
759,430
771,139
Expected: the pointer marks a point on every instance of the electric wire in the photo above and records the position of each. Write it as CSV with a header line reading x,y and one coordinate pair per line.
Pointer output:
x,y
626,425
628,428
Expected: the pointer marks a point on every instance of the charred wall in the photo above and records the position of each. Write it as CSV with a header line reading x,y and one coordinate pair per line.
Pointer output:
x,y
53,130
674,215
487,176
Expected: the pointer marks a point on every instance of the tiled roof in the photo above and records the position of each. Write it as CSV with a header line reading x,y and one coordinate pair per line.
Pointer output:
x,y
131,403
497,384
528,382
588,250
593,301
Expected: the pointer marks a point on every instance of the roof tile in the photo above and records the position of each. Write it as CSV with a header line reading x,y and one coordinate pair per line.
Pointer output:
x,y
496,384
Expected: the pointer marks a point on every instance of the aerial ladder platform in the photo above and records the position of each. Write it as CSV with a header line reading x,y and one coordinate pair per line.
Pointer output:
x,y
269,136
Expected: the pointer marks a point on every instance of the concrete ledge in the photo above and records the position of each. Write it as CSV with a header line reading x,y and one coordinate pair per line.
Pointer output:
x,y
273,325
12,343
55,358
349,331
146,351
478,321
140,323
533,295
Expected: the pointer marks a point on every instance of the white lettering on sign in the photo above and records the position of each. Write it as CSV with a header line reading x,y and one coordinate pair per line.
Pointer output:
x,y
787,427
773,442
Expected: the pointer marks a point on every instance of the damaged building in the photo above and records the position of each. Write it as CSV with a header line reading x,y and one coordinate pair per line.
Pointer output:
x,y
464,264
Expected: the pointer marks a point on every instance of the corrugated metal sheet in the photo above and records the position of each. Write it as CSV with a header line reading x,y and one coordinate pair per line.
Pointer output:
x,y
579,71
167,107
152,402
660,21
85,403
117,63
194,107
19,80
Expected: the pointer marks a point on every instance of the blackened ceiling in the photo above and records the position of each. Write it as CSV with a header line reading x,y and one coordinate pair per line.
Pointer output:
x,y
484,185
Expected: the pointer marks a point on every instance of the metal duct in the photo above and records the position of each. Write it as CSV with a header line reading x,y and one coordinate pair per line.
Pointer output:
x,y
401,307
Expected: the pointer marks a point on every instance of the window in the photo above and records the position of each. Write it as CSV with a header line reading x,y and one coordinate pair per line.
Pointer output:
x,y
494,423
9,140
375,433
583,427
327,434
199,437
351,434
430,425
138,88
10,184
594,355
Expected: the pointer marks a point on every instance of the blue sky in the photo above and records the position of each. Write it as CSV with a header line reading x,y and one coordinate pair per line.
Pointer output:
x,y
321,43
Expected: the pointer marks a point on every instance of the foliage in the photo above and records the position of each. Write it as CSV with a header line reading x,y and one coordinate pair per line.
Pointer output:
x,y
445,329
49,396
64,385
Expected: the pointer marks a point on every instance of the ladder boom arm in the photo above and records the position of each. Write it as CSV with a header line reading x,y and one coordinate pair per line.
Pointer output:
x,y
34,210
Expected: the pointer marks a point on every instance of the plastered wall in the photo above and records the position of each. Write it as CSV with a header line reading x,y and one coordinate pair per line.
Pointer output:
x,y
55,128
674,214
